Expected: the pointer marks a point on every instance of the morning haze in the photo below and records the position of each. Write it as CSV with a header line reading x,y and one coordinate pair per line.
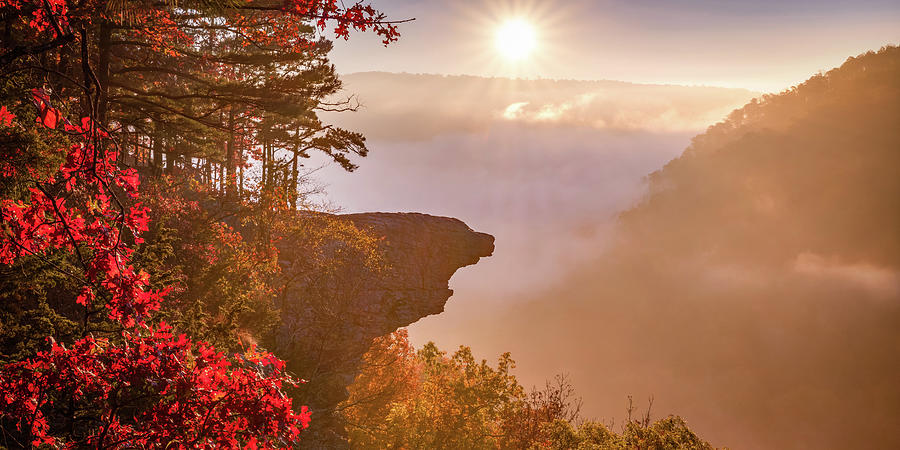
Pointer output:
x,y
450,224
751,286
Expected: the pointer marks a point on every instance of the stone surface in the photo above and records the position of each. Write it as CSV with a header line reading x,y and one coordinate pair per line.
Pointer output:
x,y
330,315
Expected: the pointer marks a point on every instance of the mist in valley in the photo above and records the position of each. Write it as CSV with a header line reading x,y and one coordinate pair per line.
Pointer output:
x,y
719,286
489,151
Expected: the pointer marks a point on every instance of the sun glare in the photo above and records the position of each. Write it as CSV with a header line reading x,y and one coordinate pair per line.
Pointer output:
x,y
516,39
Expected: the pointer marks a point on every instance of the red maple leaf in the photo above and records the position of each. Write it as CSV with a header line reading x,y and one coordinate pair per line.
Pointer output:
x,y
6,117
47,115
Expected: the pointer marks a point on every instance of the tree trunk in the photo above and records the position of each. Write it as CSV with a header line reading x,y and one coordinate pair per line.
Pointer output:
x,y
292,195
104,48
157,152
230,176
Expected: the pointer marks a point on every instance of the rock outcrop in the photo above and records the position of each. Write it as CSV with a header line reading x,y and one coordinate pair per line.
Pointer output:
x,y
331,312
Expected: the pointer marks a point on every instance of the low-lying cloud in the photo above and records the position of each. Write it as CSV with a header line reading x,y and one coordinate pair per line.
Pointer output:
x,y
407,106
877,281
617,111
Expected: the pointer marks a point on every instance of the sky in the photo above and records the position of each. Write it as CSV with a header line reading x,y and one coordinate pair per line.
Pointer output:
x,y
763,45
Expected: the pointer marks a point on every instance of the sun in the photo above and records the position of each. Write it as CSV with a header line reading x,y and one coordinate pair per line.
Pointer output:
x,y
516,39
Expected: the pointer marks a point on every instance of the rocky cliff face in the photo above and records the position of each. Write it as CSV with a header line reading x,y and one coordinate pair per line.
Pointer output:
x,y
331,314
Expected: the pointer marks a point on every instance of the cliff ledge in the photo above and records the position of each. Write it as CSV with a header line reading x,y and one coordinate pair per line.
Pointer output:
x,y
328,322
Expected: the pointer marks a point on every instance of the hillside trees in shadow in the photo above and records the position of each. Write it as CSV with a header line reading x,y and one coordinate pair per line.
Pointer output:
x,y
405,398
107,109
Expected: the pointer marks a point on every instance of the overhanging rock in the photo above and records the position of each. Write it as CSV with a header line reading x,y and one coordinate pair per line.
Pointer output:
x,y
329,319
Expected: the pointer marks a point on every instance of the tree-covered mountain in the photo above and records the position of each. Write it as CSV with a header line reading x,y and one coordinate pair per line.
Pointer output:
x,y
808,175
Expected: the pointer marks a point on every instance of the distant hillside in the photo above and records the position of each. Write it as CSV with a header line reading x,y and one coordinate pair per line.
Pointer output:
x,y
773,245
408,106
811,174
756,288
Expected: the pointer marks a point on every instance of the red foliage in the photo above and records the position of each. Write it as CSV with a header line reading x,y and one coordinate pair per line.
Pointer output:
x,y
93,228
360,17
6,117
143,387
150,388
47,115
199,398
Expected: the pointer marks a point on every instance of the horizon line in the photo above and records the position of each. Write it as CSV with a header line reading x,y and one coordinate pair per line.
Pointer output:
x,y
577,80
